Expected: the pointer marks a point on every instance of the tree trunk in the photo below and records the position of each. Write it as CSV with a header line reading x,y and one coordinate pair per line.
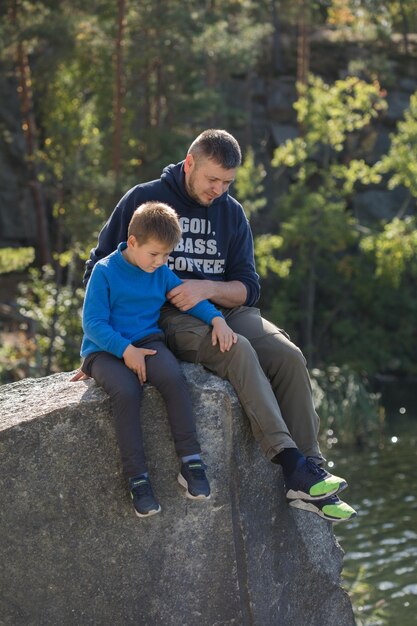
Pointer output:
x,y
118,91
30,133
405,27
303,44
277,56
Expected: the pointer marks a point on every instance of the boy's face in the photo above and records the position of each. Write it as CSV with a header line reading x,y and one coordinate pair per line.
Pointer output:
x,y
149,255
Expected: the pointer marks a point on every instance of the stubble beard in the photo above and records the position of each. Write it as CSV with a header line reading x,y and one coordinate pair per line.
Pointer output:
x,y
189,187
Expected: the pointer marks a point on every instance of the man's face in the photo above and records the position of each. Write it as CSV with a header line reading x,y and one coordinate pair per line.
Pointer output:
x,y
205,180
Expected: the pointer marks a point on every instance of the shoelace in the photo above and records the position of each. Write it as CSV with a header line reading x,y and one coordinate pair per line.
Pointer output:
x,y
315,469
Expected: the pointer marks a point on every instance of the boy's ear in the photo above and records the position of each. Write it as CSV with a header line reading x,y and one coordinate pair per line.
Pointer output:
x,y
131,241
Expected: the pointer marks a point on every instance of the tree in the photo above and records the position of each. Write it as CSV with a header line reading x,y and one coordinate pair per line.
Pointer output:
x,y
395,245
318,231
30,131
118,89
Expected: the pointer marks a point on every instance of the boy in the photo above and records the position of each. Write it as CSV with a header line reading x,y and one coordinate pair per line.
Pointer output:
x,y
123,347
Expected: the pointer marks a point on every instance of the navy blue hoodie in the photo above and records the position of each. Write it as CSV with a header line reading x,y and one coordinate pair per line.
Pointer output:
x,y
216,243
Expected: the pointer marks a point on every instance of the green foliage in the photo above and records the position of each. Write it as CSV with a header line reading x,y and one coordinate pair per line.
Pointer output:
x,y
190,65
266,249
317,229
401,160
395,250
372,19
367,613
249,184
347,284
15,259
57,311
327,113
233,43
349,413
394,246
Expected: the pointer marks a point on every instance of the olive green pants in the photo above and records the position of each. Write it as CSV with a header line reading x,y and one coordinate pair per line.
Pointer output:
x,y
268,372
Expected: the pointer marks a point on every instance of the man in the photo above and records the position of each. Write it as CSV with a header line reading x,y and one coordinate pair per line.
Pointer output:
x,y
215,261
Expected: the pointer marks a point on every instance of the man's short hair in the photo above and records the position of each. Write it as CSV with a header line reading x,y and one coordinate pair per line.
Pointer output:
x,y
155,220
218,145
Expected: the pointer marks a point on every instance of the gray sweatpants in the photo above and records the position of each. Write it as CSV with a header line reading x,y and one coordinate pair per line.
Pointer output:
x,y
266,369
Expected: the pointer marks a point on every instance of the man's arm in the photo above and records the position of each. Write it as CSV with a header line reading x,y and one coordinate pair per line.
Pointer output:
x,y
228,294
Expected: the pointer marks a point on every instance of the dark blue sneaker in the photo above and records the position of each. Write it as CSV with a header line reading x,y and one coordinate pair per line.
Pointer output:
x,y
193,478
311,482
141,493
332,508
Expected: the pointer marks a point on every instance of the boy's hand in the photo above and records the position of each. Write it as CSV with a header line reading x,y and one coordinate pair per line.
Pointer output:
x,y
134,359
223,334
79,375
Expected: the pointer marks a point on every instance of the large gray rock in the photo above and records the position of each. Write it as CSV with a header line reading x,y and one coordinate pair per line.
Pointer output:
x,y
73,552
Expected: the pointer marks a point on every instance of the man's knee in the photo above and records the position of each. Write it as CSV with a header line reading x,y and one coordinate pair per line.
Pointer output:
x,y
243,349
240,357
276,350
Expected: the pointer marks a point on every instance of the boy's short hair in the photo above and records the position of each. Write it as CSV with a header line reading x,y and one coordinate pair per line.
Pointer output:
x,y
218,145
155,220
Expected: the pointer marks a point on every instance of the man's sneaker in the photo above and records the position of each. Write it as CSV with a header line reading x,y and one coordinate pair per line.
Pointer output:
x,y
332,508
193,478
141,493
311,482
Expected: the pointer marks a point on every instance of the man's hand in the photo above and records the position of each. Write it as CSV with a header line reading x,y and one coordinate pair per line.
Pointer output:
x,y
223,293
223,334
189,293
134,359
79,375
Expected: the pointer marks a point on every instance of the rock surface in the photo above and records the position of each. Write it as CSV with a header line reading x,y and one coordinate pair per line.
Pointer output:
x,y
74,553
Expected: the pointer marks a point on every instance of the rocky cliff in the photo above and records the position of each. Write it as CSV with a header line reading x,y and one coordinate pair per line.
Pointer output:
x,y
74,553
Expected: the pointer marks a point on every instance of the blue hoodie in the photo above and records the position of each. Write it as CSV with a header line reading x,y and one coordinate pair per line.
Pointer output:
x,y
217,241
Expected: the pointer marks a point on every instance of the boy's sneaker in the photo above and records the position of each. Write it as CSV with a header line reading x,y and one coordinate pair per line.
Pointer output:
x,y
193,478
141,493
311,482
333,509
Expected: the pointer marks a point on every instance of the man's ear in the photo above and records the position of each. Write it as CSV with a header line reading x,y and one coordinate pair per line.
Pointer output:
x,y
189,163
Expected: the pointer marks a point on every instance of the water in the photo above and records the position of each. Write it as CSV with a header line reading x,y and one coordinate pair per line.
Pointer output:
x,y
381,543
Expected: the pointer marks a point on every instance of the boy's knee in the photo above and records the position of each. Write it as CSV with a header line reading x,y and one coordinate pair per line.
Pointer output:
x,y
129,393
167,378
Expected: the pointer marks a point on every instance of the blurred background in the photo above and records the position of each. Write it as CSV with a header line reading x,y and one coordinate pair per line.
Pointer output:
x,y
322,95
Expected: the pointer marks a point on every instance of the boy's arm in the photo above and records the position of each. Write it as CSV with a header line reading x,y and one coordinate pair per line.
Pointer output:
x,y
207,312
204,310
96,316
